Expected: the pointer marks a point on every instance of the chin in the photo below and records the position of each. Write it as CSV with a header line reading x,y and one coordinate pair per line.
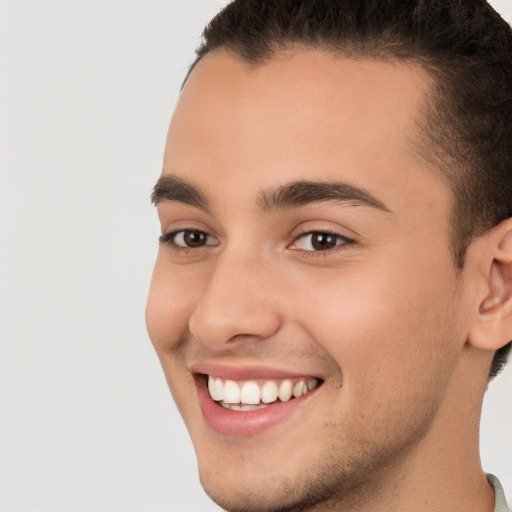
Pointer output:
x,y
273,480
258,493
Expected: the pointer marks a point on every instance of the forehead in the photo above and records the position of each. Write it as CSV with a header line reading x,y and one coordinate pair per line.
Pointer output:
x,y
301,115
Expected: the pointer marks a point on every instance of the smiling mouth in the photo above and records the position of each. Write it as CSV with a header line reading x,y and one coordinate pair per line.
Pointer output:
x,y
251,395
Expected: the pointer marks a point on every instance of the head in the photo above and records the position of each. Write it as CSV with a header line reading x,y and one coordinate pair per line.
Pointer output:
x,y
465,47
334,207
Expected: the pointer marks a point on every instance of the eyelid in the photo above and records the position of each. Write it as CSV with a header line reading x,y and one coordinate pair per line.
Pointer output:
x,y
168,238
344,241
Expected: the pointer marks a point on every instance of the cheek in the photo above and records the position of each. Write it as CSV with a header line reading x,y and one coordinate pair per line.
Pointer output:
x,y
384,324
171,301
389,341
169,306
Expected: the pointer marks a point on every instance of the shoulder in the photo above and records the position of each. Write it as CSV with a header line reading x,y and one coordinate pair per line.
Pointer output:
x,y
501,504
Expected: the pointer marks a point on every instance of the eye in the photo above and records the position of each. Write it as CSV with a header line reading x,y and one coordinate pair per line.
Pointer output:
x,y
319,241
188,239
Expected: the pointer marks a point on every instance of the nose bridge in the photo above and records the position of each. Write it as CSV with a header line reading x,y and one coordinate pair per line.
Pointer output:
x,y
238,301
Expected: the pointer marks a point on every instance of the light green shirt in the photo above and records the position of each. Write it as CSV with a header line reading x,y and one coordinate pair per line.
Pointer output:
x,y
501,504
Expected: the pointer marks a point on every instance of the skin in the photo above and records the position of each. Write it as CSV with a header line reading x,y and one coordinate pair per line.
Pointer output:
x,y
402,341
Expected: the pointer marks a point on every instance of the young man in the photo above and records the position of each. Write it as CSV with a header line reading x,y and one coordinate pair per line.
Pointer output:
x,y
333,289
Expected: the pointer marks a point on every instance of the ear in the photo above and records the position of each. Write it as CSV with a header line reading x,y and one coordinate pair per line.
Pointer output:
x,y
491,328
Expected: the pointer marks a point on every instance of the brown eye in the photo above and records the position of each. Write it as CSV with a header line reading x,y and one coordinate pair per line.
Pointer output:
x,y
189,239
323,241
194,238
316,241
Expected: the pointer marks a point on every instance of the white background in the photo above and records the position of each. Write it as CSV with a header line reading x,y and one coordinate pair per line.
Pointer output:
x,y
87,424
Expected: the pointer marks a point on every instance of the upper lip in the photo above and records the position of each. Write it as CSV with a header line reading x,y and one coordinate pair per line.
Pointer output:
x,y
246,372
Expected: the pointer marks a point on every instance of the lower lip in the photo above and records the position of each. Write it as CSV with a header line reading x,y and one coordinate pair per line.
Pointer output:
x,y
245,423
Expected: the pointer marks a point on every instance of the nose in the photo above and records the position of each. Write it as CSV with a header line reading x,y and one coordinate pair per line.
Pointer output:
x,y
239,303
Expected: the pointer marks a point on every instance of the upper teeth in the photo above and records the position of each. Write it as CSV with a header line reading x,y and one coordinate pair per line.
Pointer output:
x,y
251,393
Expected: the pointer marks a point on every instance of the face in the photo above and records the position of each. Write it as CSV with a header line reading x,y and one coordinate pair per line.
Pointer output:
x,y
304,303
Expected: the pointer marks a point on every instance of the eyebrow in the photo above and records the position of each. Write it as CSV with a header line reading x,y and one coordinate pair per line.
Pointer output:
x,y
172,188
292,195
302,193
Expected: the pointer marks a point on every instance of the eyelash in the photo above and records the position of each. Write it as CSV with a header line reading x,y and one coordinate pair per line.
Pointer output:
x,y
168,238
343,243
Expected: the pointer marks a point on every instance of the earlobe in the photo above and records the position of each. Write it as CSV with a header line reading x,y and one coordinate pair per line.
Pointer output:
x,y
492,329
